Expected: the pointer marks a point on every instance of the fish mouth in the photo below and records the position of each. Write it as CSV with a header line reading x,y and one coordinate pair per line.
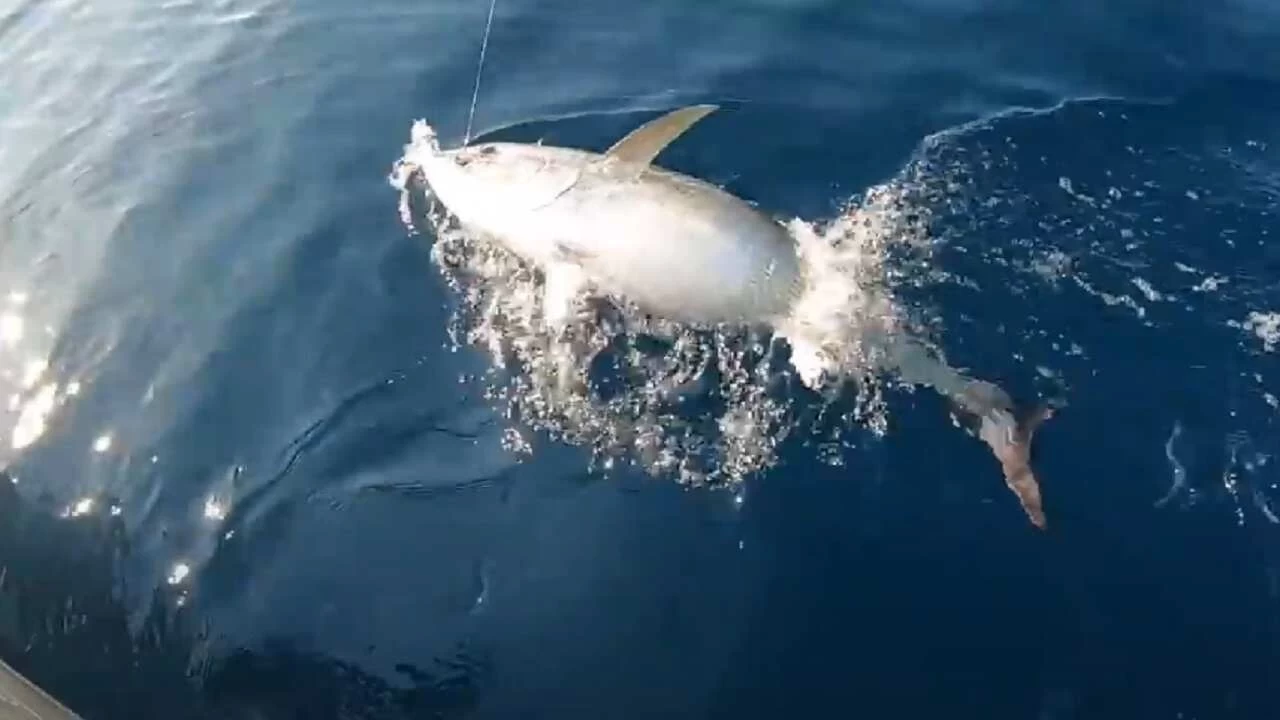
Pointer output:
x,y
409,172
423,134
419,204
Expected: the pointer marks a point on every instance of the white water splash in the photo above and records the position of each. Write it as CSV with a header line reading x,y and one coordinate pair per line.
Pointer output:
x,y
1266,326
1179,482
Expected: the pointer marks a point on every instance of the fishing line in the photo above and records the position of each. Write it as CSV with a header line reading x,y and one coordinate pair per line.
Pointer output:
x,y
475,93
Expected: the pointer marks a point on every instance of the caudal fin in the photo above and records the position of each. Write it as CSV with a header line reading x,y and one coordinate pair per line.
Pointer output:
x,y
1010,440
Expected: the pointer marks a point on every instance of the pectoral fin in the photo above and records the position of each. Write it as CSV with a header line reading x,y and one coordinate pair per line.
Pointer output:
x,y
810,362
633,153
563,282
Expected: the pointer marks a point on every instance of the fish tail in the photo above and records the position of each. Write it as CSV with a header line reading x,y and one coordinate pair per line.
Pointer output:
x,y
1010,438
1020,476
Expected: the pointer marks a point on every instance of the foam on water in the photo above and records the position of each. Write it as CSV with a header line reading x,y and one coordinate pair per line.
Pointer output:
x,y
1267,327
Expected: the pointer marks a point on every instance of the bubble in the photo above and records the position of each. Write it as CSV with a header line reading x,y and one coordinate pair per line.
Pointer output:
x,y
12,329
179,573
215,509
102,443
1266,325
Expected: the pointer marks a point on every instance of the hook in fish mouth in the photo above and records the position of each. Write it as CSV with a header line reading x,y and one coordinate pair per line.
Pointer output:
x,y
463,157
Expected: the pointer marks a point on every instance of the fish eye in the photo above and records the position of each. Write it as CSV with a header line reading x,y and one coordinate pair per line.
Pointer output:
x,y
488,150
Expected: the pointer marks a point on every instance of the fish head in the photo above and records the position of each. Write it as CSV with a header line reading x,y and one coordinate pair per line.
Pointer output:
x,y
476,169
475,181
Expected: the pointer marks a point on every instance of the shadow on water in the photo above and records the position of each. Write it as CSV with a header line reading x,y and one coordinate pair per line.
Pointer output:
x,y
64,625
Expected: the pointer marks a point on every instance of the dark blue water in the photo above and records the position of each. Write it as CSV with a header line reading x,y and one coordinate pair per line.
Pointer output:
x,y
247,481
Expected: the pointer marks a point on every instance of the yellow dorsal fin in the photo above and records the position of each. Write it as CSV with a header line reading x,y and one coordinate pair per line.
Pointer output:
x,y
643,144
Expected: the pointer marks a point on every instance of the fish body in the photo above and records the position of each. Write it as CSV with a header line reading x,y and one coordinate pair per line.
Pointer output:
x,y
674,245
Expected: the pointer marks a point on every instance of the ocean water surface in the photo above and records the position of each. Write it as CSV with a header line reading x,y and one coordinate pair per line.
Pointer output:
x,y
270,452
